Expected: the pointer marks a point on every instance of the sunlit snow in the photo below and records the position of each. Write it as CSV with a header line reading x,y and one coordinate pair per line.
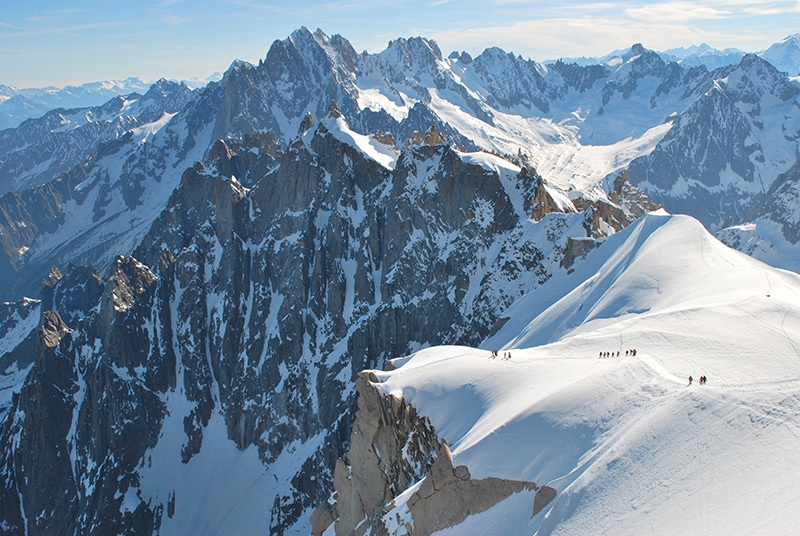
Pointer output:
x,y
628,444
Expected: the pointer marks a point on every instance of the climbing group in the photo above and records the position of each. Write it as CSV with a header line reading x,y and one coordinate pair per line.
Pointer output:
x,y
616,354
506,355
703,380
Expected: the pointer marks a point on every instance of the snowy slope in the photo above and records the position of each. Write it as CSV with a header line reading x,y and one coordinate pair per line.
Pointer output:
x,y
627,445
764,240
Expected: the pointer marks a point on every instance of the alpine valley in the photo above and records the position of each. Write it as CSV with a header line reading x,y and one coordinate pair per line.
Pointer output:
x,y
399,293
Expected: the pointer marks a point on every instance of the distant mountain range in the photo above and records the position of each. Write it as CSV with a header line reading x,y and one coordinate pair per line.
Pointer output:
x,y
19,104
784,55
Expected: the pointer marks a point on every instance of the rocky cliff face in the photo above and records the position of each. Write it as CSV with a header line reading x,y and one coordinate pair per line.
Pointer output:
x,y
390,449
394,451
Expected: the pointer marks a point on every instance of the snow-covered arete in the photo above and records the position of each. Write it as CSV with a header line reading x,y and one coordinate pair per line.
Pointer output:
x,y
629,446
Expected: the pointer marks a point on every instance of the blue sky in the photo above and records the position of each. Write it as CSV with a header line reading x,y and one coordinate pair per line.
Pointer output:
x,y
44,42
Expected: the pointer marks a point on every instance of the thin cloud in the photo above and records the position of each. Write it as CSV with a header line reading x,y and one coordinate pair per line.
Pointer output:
x,y
55,14
69,29
589,36
772,8
764,10
595,6
767,7
676,12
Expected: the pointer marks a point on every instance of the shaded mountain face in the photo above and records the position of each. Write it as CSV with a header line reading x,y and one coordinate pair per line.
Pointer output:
x,y
721,156
261,245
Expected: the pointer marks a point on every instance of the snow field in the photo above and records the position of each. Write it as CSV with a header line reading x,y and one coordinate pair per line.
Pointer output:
x,y
629,446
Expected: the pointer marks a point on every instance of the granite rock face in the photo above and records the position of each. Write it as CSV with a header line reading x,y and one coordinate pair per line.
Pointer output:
x,y
391,448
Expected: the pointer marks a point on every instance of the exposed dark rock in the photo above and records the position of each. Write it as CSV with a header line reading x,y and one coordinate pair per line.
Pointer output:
x,y
431,138
577,248
390,448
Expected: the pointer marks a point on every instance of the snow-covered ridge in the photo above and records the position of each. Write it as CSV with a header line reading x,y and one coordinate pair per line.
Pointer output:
x,y
373,149
628,433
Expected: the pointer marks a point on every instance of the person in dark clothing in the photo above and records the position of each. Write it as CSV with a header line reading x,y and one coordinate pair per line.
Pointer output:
x,y
690,380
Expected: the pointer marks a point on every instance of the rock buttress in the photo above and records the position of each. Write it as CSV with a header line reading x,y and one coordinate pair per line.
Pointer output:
x,y
391,449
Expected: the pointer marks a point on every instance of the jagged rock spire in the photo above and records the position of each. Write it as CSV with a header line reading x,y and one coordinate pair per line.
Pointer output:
x,y
431,138
334,111
307,123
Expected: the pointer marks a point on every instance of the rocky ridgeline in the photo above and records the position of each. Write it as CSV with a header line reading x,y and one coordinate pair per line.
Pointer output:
x,y
391,447
259,305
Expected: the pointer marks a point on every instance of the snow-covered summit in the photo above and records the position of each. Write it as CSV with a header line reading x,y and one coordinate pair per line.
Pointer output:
x,y
785,55
704,54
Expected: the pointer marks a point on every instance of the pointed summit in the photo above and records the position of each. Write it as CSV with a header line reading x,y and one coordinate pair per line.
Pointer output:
x,y
306,123
334,111
637,49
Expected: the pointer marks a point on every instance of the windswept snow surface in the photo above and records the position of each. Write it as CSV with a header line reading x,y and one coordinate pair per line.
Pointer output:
x,y
629,446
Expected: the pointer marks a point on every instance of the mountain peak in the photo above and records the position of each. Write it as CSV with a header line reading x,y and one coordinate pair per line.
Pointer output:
x,y
637,49
416,47
334,112
785,56
794,38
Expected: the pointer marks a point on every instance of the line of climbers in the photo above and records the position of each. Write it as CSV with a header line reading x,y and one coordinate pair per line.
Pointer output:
x,y
631,352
